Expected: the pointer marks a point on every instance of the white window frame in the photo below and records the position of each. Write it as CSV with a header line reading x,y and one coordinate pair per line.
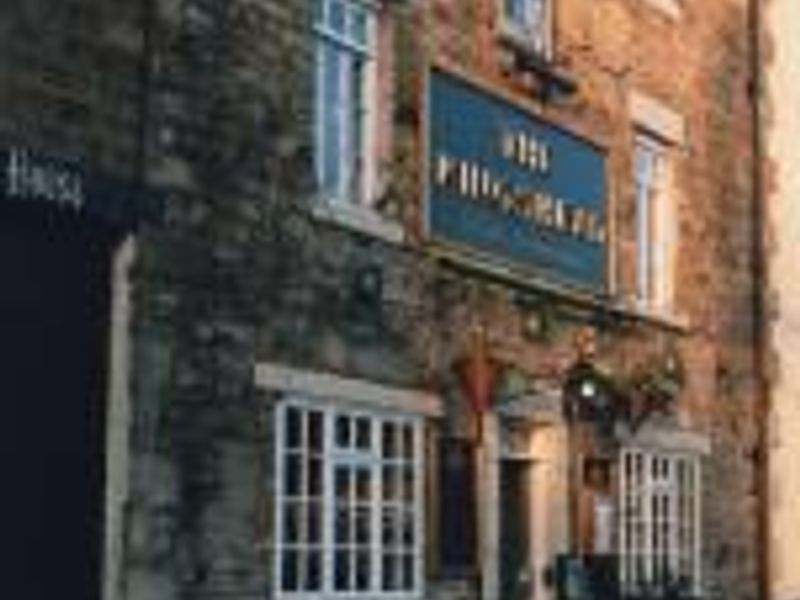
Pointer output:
x,y
372,460
529,34
656,223
660,494
359,168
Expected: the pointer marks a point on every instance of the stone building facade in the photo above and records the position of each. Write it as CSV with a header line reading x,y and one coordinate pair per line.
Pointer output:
x,y
442,299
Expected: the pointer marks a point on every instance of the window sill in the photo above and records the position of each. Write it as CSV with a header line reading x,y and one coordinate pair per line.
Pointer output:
x,y
526,57
663,317
670,8
521,41
666,439
360,219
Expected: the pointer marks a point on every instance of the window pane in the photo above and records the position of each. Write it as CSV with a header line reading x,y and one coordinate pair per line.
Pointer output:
x,y
350,124
315,477
408,442
314,522
359,25
389,440
290,572
408,483
314,573
318,11
363,567
293,475
315,431
294,427
389,572
363,525
343,432
645,159
390,483
408,529
343,526
343,483
331,122
515,10
390,527
363,489
336,16
363,434
408,572
342,570
537,19
291,522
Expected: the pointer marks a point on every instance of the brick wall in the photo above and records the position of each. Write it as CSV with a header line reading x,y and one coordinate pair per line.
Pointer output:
x,y
301,313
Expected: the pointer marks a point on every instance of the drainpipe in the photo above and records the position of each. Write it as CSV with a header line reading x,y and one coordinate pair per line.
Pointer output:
x,y
760,274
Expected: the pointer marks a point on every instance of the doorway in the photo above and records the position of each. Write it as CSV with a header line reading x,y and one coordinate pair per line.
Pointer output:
x,y
54,331
516,529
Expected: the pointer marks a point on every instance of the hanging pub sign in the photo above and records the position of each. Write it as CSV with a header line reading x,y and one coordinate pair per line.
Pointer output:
x,y
511,190
30,177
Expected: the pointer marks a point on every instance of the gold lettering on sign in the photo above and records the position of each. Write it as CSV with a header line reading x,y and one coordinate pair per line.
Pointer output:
x,y
526,151
471,180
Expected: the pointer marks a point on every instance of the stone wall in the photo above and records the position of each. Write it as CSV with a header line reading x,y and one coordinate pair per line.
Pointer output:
x,y
70,80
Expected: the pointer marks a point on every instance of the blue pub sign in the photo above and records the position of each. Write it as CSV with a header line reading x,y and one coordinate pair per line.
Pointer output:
x,y
513,191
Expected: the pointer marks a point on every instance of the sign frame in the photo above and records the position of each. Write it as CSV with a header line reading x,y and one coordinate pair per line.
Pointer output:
x,y
493,262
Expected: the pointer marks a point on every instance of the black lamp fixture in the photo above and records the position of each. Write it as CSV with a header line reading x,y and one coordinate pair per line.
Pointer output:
x,y
367,286
363,305
590,396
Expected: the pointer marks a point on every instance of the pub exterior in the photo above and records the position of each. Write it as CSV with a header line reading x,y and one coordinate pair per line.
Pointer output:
x,y
443,299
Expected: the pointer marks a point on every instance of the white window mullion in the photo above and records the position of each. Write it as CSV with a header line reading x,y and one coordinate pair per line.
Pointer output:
x,y
280,495
303,546
419,508
647,515
674,517
697,491
623,493
354,468
328,493
367,117
377,507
